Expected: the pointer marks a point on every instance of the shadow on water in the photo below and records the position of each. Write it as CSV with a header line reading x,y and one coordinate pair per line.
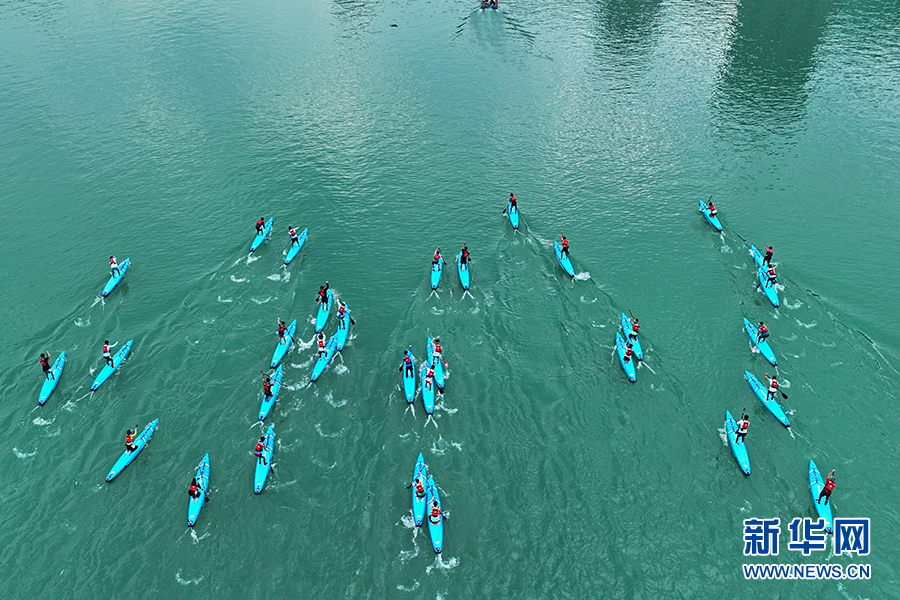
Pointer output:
x,y
357,16
488,25
763,84
625,34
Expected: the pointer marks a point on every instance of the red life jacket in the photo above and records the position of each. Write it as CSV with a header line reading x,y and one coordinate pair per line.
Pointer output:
x,y
292,233
635,327
129,438
437,348
419,489
321,342
112,261
829,484
323,293
341,311
771,271
430,373
743,425
281,329
629,352
44,363
711,207
267,386
193,489
565,244
435,511
774,383
260,447
407,360
437,256
466,254
260,223
105,348
763,329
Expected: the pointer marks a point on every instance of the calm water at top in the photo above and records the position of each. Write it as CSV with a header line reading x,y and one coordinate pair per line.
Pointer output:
x,y
162,132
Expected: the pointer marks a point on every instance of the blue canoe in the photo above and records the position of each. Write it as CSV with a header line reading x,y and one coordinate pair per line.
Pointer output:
x,y
262,470
115,279
324,312
262,235
513,214
284,344
438,365
739,450
436,271
409,381
107,370
427,392
762,346
635,342
628,366
564,262
322,361
126,458
343,329
816,484
463,271
420,472
267,404
714,221
295,248
50,384
435,529
762,392
195,504
769,289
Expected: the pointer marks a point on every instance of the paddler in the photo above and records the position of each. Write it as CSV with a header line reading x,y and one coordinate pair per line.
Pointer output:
x,y
742,426
512,201
771,274
341,315
436,512
293,234
565,245
420,489
45,365
129,440
711,208
632,335
767,259
114,266
829,487
259,225
320,339
267,385
464,259
437,352
628,352
407,363
260,451
773,387
195,489
282,328
762,332
436,261
429,377
323,294
106,355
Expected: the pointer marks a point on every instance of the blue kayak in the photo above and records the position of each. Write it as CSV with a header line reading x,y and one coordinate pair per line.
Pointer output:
x,y
564,261
262,235
343,329
115,279
768,288
628,366
324,312
409,381
322,361
295,248
739,450
762,346
436,271
420,473
195,504
284,344
438,365
267,404
50,384
107,370
139,442
427,391
435,529
513,214
262,470
762,392
714,221
635,342
816,485
463,271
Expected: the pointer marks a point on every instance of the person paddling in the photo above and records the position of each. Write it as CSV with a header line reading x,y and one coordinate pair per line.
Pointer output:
x,y
420,489
114,266
772,279
260,451
773,387
45,365
711,208
632,335
259,225
282,328
767,259
512,202
436,261
437,353
762,332
742,426
267,385
628,352
195,489
323,294
293,234
829,487
129,440
407,364
341,315
464,257
436,512
565,245
320,339
106,355
429,377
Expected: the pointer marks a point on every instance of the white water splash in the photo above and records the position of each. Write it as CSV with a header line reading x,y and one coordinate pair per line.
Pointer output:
x,y
82,322
403,588
441,446
582,276
239,279
285,276
196,539
341,369
261,302
224,300
179,579
23,455
251,258
40,421
336,403
583,301
796,305
440,564
328,435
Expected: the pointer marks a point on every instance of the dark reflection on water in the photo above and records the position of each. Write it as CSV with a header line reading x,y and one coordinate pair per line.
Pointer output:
x,y
357,16
763,84
489,24
625,32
